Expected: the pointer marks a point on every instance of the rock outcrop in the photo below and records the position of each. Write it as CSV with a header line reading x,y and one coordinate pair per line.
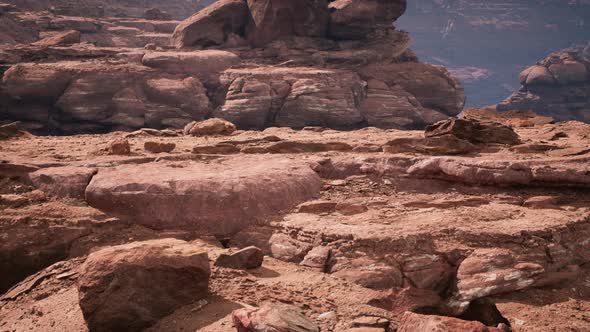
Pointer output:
x,y
257,63
483,42
129,287
272,317
558,86
215,198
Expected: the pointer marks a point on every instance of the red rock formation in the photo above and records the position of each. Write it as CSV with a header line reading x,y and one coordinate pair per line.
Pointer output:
x,y
558,86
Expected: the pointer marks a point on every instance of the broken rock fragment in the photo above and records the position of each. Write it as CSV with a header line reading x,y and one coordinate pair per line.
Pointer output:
x,y
247,258
131,286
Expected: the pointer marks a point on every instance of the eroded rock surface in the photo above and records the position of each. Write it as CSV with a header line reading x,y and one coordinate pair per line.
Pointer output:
x,y
258,64
349,227
131,286
194,195
558,86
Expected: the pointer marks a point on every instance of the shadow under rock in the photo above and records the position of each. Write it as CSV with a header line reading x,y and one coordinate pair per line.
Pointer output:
x,y
192,317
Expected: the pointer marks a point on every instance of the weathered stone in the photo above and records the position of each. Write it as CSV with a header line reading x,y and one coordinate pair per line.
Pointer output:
x,y
272,317
285,248
212,25
433,86
272,19
412,322
474,131
63,181
317,257
159,147
129,287
369,273
317,207
219,148
119,146
409,299
60,39
354,19
247,258
216,197
439,145
201,64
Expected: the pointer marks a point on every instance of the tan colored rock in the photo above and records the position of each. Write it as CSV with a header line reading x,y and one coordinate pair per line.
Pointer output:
x,y
369,273
60,39
219,148
317,257
569,72
30,80
119,146
214,126
246,258
63,182
286,248
354,19
440,145
159,147
212,25
537,75
201,64
474,131
129,287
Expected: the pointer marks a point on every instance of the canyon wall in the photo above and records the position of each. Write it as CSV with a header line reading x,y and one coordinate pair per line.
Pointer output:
x,y
487,43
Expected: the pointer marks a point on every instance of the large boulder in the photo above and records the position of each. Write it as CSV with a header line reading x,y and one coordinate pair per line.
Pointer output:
x,y
212,25
272,19
213,126
354,19
60,39
65,181
215,197
131,286
75,92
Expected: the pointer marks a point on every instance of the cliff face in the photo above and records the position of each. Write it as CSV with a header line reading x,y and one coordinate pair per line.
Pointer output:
x,y
558,86
487,42
258,63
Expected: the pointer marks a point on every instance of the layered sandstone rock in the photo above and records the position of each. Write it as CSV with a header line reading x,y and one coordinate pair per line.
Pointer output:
x,y
202,197
558,86
131,286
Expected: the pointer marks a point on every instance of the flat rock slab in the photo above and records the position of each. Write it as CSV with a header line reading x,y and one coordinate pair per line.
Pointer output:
x,y
219,197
